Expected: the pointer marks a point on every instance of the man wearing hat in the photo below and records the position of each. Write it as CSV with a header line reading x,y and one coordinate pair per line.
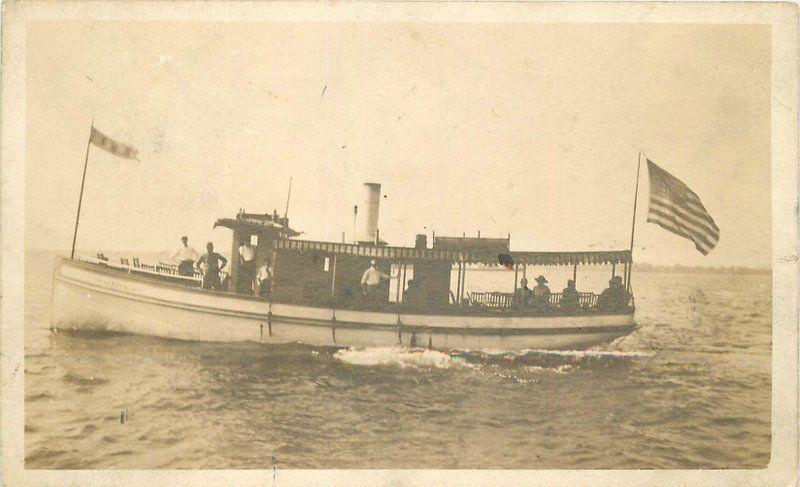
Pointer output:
x,y
615,298
371,281
541,293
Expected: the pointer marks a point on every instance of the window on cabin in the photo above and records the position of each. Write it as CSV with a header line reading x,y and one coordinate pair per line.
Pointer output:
x,y
326,266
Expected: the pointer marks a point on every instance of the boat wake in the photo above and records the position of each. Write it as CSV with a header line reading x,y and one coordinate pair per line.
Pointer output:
x,y
559,361
397,356
554,360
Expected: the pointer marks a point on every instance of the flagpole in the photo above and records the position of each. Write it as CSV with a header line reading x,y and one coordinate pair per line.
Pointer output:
x,y
633,223
80,198
289,195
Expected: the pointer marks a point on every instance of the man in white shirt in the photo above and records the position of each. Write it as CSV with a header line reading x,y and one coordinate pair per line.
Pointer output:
x,y
264,279
371,281
185,256
247,267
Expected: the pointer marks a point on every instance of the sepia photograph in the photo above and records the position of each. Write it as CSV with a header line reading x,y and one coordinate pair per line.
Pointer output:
x,y
411,237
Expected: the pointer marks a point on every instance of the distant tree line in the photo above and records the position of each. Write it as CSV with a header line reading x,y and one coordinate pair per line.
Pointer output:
x,y
645,267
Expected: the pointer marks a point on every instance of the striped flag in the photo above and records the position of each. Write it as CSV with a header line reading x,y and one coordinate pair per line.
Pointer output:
x,y
675,207
98,139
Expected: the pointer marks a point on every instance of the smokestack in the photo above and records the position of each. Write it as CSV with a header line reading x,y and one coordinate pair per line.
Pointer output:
x,y
369,213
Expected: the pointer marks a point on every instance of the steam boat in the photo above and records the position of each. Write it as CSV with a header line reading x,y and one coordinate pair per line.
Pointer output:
x,y
315,294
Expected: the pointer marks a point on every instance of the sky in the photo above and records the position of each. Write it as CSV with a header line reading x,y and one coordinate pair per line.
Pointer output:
x,y
529,129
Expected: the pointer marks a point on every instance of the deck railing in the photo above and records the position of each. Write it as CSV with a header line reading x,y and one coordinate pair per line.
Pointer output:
x,y
506,300
162,268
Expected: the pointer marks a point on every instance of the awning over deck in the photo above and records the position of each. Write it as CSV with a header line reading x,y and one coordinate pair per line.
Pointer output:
x,y
410,254
473,245
256,227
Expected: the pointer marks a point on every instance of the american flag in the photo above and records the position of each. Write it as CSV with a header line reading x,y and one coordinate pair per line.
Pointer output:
x,y
675,207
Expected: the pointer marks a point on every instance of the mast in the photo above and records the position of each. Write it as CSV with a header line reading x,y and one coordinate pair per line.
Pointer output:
x,y
80,198
633,223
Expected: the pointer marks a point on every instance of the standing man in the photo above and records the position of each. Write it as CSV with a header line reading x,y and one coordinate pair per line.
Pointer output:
x,y
247,267
371,281
212,261
185,256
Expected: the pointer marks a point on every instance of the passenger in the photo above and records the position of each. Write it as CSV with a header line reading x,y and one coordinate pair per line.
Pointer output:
x,y
615,298
247,267
211,261
371,281
570,297
264,279
410,294
524,292
185,256
541,294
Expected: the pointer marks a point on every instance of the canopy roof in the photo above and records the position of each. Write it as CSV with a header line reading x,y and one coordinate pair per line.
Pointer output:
x,y
410,254
255,226
472,244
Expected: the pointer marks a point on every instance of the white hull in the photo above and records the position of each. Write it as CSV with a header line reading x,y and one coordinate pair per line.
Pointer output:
x,y
89,297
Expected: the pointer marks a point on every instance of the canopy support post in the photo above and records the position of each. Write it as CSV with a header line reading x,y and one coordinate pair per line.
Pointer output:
x,y
575,275
463,281
613,270
458,282
625,276
404,282
516,273
333,280
397,290
274,277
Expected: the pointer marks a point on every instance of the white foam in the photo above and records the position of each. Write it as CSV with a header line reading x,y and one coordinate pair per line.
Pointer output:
x,y
561,369
590,353
398,356
564,353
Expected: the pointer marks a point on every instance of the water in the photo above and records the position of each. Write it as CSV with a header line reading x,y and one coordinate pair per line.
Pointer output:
x,y
689,389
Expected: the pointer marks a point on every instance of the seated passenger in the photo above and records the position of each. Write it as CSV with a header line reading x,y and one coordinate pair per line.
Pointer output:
x,y
410,293
264,279
615,298
524,292
541,294
570,297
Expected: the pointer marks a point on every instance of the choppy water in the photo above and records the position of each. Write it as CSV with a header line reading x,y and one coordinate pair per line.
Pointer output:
x,y
690,389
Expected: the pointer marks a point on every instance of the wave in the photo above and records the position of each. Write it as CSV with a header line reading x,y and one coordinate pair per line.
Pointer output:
x,y
564,353
397,356
83,381
592,353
